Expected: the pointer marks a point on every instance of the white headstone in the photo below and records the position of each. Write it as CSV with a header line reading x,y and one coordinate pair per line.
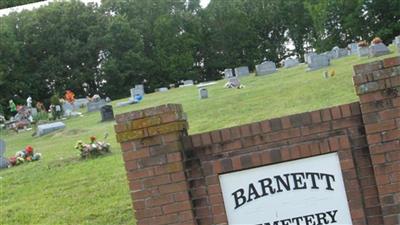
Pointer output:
x,y
290,62
318,61
265,68
302,191
49,128
228,73
397,43
242,71
378,50
68,108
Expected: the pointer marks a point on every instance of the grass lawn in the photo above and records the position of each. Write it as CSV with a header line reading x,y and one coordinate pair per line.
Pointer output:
x,y
60,189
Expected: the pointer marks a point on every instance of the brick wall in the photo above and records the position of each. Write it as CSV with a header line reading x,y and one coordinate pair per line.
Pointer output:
x,y
378,85
173,177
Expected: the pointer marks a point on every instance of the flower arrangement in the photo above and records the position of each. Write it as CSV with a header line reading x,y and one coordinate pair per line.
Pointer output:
x,y
362,44
376,41
26,155
70,96
93,149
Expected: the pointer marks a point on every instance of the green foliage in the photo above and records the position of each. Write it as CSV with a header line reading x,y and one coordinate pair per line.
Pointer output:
x,y
55,99
107,49
12,3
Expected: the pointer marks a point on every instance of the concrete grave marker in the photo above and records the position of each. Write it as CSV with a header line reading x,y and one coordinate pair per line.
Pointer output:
x,y
242,71
163,89
203,93
67,108
307,56
339,52
397,43
265,68
49,128
363,51
96,105
81,102
318,61
228,73
378,50
353,48
139,90
290,62
2,147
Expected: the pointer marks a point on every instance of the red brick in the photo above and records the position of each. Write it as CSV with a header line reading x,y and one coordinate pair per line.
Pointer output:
x,y
381,126
131,155
391,62
196,140
245,130
216,137
159,200
326,115
148,212
265,127
206,139
336,113
174,187
226,134
345,109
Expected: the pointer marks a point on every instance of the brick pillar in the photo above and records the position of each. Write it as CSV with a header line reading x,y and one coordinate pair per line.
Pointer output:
x,y
153,154
378,86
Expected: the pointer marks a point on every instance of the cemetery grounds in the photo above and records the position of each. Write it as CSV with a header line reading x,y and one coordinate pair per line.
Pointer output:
x,y
61,189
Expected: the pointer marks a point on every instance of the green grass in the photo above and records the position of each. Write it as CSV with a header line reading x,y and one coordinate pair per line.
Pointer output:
x,y
60,189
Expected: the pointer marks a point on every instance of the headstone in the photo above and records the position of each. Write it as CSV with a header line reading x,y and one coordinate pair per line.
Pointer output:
x,y
163,89
129,102
108,99
289,62
188,82
171,85
228,73
81,102
107,113
363,51
329,54
203,93
49,128
353,47
318,61
33,111
2,147
339,52
378,50
265,68
132,91
234,81
242,71
139,90
68,108
96,106
307,56
397,43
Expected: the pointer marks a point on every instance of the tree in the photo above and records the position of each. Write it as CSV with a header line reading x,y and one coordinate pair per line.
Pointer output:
x,y
13,3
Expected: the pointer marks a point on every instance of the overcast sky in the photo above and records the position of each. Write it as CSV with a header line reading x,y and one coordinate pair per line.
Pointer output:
x,y
3,12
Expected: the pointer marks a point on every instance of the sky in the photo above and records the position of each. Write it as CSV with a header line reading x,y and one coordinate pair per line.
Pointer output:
x,y
4,12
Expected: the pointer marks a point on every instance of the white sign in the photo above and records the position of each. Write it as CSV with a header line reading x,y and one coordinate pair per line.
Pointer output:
x,y
301,192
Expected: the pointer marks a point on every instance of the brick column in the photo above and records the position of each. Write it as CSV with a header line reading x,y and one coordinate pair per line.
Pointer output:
x,y
153,154
378,86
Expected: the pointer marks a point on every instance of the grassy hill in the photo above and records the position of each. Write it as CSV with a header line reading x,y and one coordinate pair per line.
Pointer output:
x,y
60,189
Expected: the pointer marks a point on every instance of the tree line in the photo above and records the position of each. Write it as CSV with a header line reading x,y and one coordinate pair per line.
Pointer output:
x,y
106,49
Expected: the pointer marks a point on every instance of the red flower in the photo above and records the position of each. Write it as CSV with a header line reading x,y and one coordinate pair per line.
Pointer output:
x,y
28,149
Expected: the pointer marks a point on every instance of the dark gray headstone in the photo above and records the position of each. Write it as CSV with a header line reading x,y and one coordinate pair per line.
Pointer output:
x,y
363,51
49,128
318,61
96,105
353,47
265,68
378,50
289,62
228,73
242,71
107,113
203,93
